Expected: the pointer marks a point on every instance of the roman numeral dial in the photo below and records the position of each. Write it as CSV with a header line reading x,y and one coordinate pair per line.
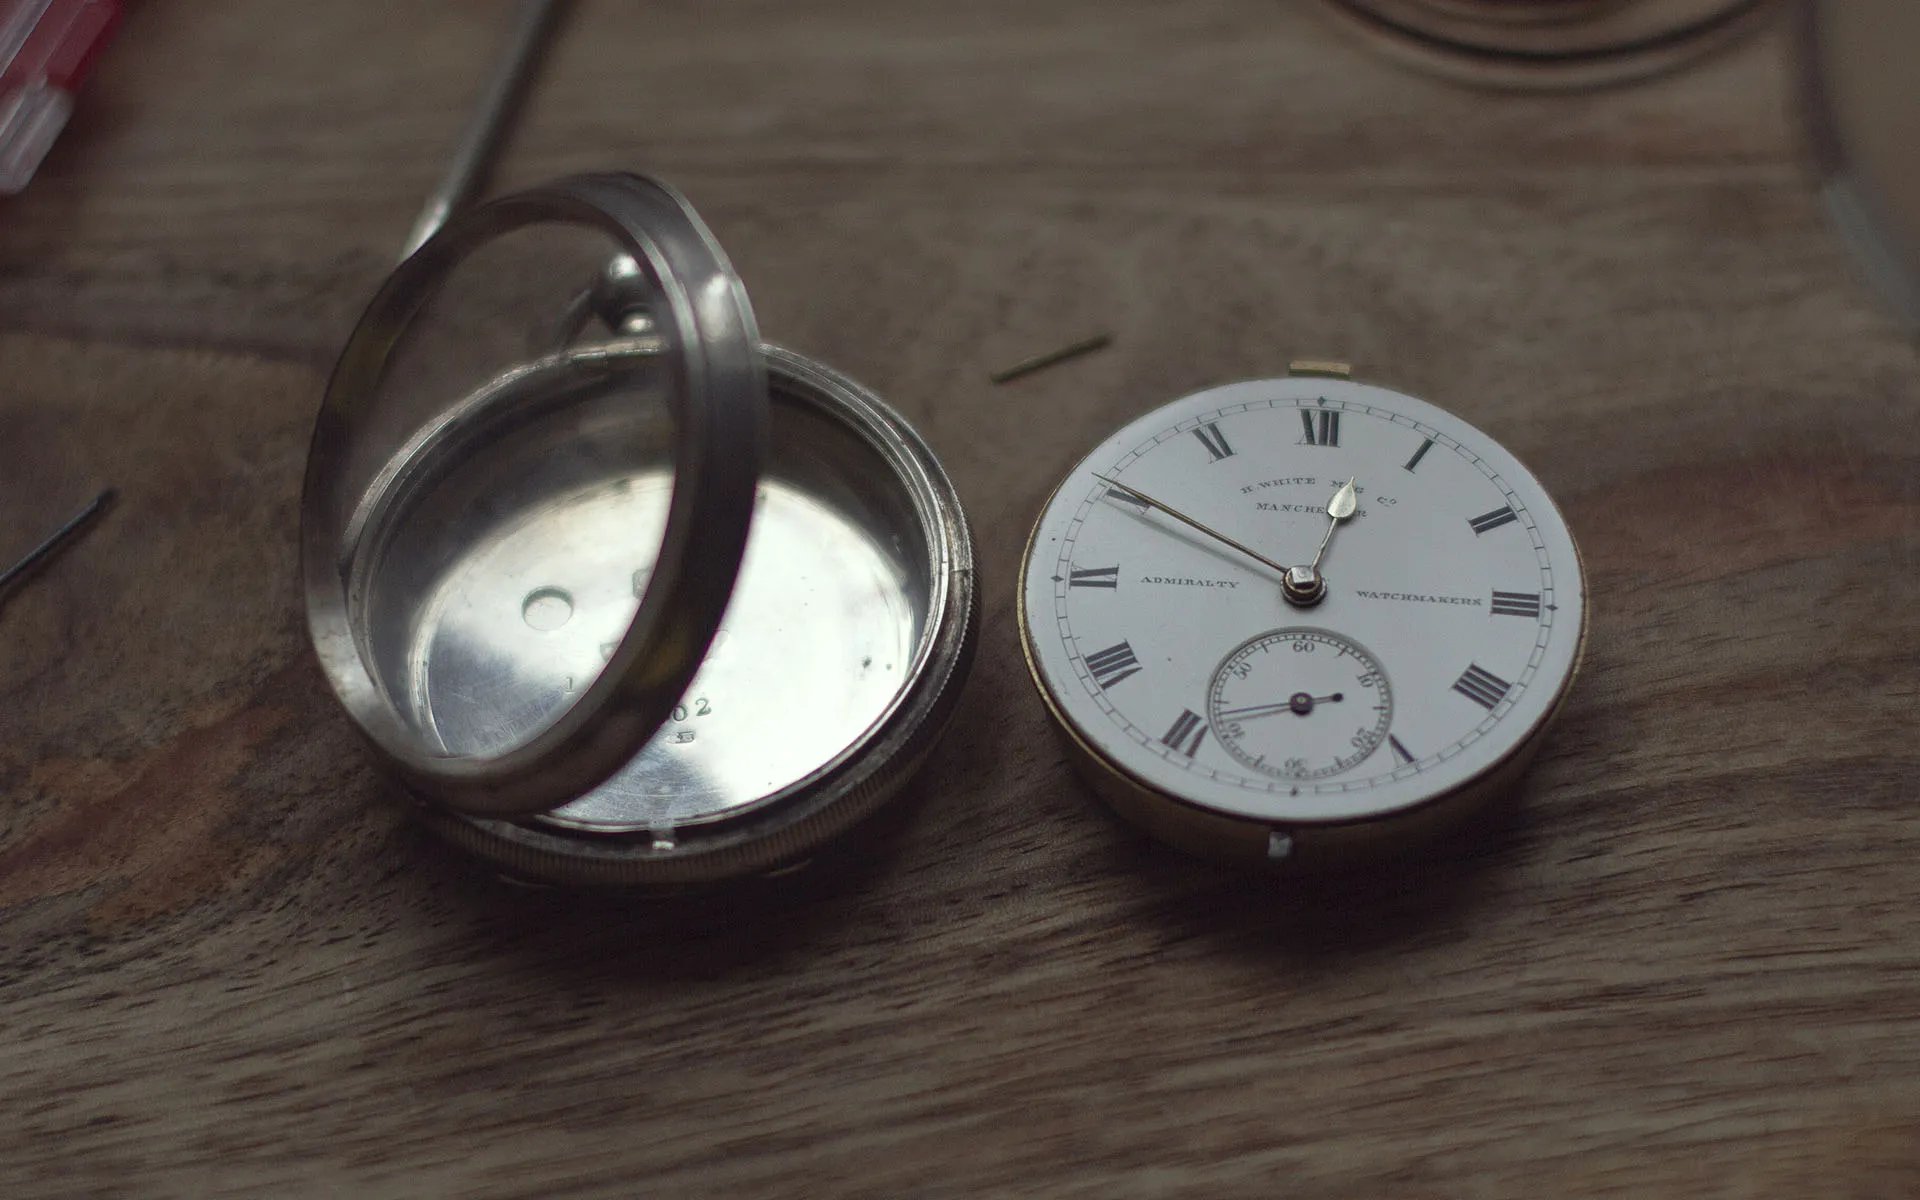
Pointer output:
x,y
1188,731
1504,515
1322,427
1215,442
1482,686
1169,631
1515,604
1112,665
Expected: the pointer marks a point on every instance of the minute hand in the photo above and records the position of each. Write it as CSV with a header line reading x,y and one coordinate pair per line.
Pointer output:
x,y
1177,515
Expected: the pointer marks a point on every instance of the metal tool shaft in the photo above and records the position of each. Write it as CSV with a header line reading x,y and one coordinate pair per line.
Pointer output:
x,y
55,540
1041,362
491,120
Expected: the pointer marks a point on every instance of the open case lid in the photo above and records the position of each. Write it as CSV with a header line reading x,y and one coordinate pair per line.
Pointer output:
x,y
1863,99
475,455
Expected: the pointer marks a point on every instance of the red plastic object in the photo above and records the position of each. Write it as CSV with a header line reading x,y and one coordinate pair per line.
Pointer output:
x,y
46,49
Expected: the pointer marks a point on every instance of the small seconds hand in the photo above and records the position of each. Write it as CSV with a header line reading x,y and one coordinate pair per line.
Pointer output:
x,y
1299,704
1177,515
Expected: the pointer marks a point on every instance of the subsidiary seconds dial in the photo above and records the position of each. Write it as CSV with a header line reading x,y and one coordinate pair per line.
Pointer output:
x,y
1295,605
1300,704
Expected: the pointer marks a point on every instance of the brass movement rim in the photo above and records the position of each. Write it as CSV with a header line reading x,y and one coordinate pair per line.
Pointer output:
x,y
787,828
1311,846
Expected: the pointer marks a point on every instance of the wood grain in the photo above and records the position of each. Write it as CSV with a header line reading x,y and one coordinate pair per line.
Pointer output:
x,y
229,966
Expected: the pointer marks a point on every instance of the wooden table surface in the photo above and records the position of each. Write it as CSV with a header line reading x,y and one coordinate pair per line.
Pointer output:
x,y
230,965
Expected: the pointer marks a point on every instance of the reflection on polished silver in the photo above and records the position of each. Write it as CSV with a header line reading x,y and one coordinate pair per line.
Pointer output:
x,y
619,297
1862,97
534,487
835,668
823,627
417,509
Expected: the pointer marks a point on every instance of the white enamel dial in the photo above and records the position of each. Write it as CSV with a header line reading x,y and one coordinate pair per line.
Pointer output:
x,y
1299,703
1157,622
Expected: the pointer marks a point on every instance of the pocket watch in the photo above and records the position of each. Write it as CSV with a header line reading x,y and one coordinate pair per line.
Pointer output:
x,y
621,594
1303,620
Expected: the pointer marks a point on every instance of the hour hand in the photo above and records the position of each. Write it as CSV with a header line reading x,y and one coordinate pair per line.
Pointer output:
x,y
1305,586
1177,515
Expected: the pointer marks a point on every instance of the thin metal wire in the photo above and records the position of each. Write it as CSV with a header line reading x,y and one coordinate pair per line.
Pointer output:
x,y
55,540
491,121
1040,362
